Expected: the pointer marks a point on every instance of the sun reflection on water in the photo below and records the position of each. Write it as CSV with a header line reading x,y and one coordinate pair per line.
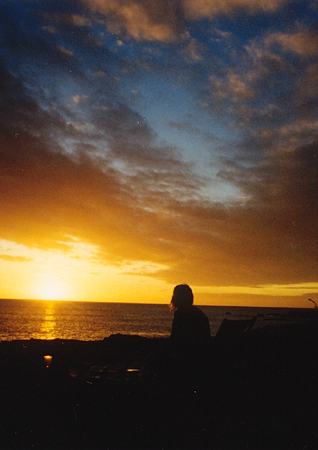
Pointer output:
x,y
49,321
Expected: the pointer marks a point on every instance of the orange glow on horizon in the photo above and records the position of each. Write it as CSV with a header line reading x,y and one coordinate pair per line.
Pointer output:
x,y
78,275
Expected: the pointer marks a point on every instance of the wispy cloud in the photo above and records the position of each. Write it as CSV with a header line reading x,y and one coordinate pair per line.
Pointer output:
x,y
166,21
303,42
12,258
142,20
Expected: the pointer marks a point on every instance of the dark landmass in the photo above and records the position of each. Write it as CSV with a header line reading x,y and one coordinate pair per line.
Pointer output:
x,y
256,392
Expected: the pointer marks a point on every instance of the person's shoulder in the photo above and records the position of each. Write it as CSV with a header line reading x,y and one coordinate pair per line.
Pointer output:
x,y
200,314
198,311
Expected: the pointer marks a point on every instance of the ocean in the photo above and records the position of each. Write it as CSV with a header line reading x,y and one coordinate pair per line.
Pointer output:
x,y
26,319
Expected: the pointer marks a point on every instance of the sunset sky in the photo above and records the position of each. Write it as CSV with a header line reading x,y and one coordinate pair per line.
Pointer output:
x,y
147,143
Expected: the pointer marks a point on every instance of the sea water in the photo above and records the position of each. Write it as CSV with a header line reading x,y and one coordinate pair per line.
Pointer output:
x,y
26,319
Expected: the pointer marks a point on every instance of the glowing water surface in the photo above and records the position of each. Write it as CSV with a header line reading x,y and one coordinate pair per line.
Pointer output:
x,y
25,319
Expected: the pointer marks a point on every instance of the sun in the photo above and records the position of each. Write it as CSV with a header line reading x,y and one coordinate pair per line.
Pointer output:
x,y
51,292
51,289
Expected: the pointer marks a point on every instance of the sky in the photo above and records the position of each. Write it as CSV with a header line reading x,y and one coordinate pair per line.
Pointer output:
x,y
145,144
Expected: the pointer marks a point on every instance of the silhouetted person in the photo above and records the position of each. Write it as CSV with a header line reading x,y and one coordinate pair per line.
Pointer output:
x,y
190,325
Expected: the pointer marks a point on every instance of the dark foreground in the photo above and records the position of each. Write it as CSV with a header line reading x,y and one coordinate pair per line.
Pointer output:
x,y
256,392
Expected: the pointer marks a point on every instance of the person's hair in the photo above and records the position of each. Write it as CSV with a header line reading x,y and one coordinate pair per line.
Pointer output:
x,y
182,297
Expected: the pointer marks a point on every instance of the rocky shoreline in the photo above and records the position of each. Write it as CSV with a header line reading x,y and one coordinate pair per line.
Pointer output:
x,y
259,391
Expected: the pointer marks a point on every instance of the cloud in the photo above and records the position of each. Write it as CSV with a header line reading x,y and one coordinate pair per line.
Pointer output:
x,y
303,42
233,86
79,20
146,215
265,91
267,239
66,18
49,194
193,51
77,99
133,142
253,76
66,52
222,33
306,97
11,258
297,132
166,21
49,28
141,20
201,9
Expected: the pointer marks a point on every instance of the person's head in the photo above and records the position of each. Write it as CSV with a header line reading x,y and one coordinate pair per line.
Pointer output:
x,y
182,297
